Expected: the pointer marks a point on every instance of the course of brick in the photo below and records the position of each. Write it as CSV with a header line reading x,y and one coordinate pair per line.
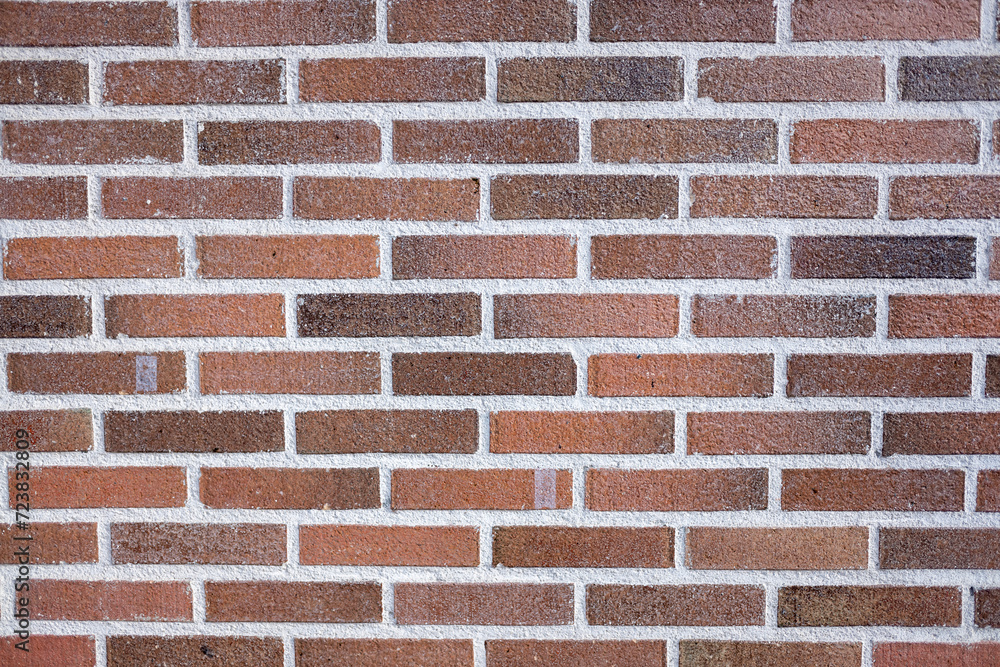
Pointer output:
x,y
502,333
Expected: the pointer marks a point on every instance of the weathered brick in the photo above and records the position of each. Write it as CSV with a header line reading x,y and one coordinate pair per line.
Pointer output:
x,y
682,21
289,372
708,653
226,197
328,257
792,79
993,375
885,141
62,257
941,433
62,650
290,488
44,316
206,544
988,491
43,198
481,21
380,652
778,432
987,609
582,432
553,546
855,490
833,606
287,142
718,490
912,375
752,315
483,374
96,373
584,315
72,487
54,600
777,548
944,655
195,82
940,197
139,651
282,22
51,543
485,141
939,548
583,197
944,316
48,430
730,140
618,79
93,141
43,82
362,315
190,431
949,78
484,604
88,24
350,198
292,602
186,315
570,653
883,257
857,20
417,546
783,197
390,431
667,257
681,375
489,489
458,257
392,80
619,604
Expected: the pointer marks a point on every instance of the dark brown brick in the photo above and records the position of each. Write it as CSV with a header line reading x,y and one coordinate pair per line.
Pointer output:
x,y
783,197
142,651
391,431
290,488
879,375
857,20
684,140
883,257
941,433
619,604
43,82
350,198
682,21
778,432
483,374
281,22
93,141
284,142
939,548
890,490
481,21
707,653
618,79
381,652
582,432
48,430
583,197
96,373
572,653
362,315
538,546
987,614
667,257
292,602
392,80
993,375
88,24
485,141
949,78
835,606
225,197
940,197
461,256
777,548
43,198
44,316
885,141
689,490
792,79
197,432
195,82
205,544
484,604
751,315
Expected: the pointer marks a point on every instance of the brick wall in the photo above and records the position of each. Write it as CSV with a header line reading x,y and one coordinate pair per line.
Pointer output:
x,y
503,332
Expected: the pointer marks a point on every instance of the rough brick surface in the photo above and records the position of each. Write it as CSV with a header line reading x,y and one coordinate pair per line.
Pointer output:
x,y
427,546
290,488
940,433
289,373
482,489
708,605
58,198
377,652
195,82
947,655
458,257
783,316
54,258
833,490
112,600
681,375
728,141
582,432
392,80
664,257
43,82
44,316
705,653
777,548
307,142
481,21
77,486
591,315
676,490
237,544
391,199
68,650
590,79
47,430
487,141
363,315
287,256
396,431
583,547
682,21
857,20
88,24
479,374
153,316
832,606
189,431
484,604
97,373
132,651
279,22
791,79
328,602
514,653
778,432
783,197
93,142
883,257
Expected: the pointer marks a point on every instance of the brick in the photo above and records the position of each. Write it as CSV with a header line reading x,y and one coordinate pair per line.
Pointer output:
x,y
347,198
392,80
44,316
195,82
282,22
619,79
285,142
63,650
43,82
481,21
854,490
941,433
139,651
708,605
913,375
88,24
483,374
292,602
718,490
205,544
96,373
362,315
939,549
393,546
582,432
944,316
551,546
669,257
682,21
66,257
289,372
792,79
584,315
187,315
488,489
389,431
837,606
196,432
570,653
485,141
583,197
484,604
752,315
944,655
949,78
458,257
74,487
885,141
722,433
987,609
43,198
52,543
320,652
993,375
327,257
681,375
940,197
54,600
988,487
857,20
93,141
783,197
290,488
777,548
733,140
224,197
707,653
48,430
883,257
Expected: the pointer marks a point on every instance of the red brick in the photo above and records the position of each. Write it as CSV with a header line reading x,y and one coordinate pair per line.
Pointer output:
x,y
290,488
206,544
941,433
944,316
482,21
883,257
777,548
59,258
681,375
48,430
88,24
190,431
487,489
96,373
778,432
783,197
682,21
571,653
707,653
457,257
73,487
142,651
988,491
552,546
348,198
618,79
719,490
292,602
732,140
667,257
484,604
225,197
44,316
792,79
43,82
838,606
751,315
392,80
380,652
993,375
940,655
328,257
46,650
286,142
485,141
43,198
987,608
418,546
853,490
584,315
386,315
583,197
916,375
282,22
857,20
483,374
390,431
289,372
940,197
185,315
939,548
195,82
885,141
708,605
93,141
582,432
54,600
52,543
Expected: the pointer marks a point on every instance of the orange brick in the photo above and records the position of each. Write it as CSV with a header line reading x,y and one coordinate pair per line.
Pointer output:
x,y
91,487
344,198
327,257
418,546
59,258
444,489
777,548
153,315
681,375
582,432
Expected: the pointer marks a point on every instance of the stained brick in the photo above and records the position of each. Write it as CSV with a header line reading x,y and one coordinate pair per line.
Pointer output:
x,y
708,653
484,604
682,21
138,651
684,140
778,432
483,374
481,21
949,78
582,432
783,196
96,373
720,490
915,375
196,432
195,82
93,141
286,142
391,431
544,546
777,548
290,488
708,605
751,315
854,490
792,79
43,82
681,375
327,257
584,315
417,546
48,430
282,22
362,315
44,316
834,606
490,489
356,198
666,257
289,372
392,80
619,79
583,197
485,141
207,544
883,257
282,601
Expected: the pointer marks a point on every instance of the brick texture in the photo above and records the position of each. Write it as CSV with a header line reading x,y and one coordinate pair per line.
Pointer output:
x,y
132,651
777,548
392,80
43,82
835,606
778,432
708,605
484,604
